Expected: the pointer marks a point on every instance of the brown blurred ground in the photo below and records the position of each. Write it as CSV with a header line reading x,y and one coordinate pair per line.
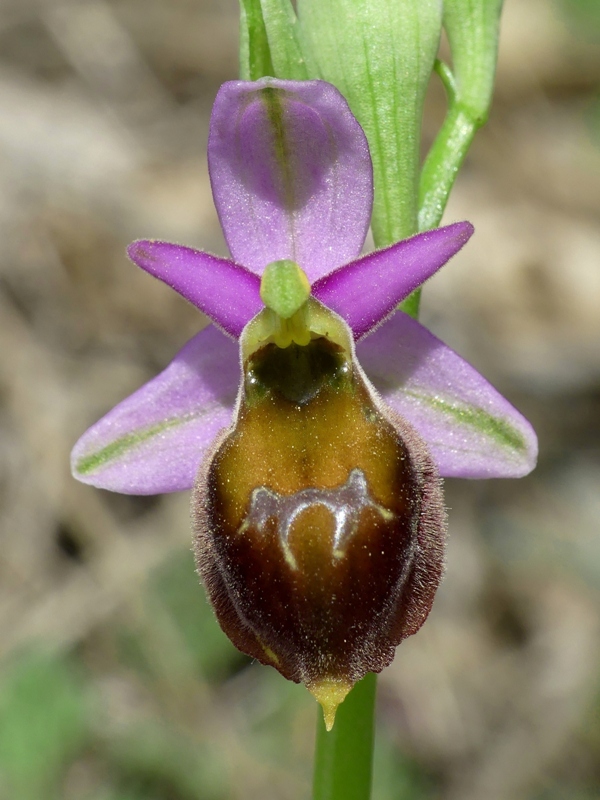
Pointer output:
x,y
104,110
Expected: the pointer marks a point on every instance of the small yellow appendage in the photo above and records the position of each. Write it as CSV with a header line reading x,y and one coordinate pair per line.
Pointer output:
x,y
329,692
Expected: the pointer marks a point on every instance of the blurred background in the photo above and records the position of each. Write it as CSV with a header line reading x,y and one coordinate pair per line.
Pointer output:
x,y
115,681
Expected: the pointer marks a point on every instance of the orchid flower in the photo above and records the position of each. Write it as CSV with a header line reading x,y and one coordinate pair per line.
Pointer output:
x,y
298,316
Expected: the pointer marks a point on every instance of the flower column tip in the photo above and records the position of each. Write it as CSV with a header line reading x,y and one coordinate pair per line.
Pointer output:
x,y
285,289
330,693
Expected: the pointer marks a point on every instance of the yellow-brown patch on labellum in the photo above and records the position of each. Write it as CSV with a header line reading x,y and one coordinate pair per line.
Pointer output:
x,y
319,517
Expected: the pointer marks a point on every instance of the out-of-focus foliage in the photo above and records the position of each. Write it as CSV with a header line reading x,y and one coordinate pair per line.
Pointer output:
x,y
584,18
584,14
42,725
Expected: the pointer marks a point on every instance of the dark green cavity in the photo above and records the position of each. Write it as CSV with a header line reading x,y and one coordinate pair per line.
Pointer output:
x,y
296,373
112,451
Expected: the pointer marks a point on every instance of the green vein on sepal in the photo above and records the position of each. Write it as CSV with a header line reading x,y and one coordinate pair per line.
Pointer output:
x,y
494,427
272,99
123,444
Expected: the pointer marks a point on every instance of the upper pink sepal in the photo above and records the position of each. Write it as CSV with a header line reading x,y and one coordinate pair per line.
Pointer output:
x,y
291,174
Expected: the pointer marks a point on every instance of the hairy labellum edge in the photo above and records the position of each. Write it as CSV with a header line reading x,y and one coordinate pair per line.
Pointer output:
x,y
407,611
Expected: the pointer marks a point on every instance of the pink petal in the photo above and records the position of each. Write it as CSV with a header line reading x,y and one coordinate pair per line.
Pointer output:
x,y
154,441
291,174
471,430
226,292
369,289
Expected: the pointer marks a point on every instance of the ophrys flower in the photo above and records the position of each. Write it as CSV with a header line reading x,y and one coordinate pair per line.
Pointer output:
x,y
318,506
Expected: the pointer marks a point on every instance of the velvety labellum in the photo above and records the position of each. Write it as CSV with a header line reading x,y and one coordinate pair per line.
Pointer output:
x,y
320,521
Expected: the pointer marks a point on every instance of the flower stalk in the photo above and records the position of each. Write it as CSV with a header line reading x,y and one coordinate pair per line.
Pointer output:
x,y
344,755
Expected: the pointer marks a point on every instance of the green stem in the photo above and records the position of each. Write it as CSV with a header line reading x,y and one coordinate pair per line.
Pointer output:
x,y
412,303
442,164
441,168
344,756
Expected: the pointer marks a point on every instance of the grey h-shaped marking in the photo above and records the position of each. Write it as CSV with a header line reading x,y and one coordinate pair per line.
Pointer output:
x,y
345,503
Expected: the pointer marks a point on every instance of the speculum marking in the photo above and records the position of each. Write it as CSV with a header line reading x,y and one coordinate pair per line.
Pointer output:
x,y
345,503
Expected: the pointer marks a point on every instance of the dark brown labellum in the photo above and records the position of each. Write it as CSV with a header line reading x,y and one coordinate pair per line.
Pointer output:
x,y
319,521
